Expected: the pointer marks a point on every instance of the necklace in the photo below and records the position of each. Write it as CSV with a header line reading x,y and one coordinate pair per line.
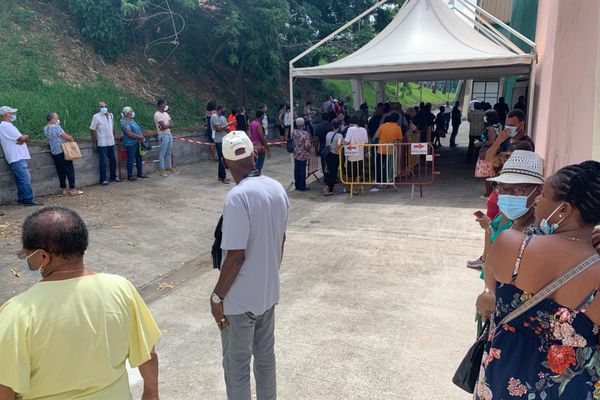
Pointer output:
x,y
571,238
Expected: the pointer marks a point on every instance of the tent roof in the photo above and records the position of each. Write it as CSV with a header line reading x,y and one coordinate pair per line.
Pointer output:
x,y
425,41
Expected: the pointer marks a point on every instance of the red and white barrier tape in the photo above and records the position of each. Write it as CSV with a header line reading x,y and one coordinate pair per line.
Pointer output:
x,y
212,144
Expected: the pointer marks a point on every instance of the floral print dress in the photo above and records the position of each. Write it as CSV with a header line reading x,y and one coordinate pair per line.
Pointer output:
x,y
550,352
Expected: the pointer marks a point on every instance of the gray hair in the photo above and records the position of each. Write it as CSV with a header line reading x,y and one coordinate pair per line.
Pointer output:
x,y
127,110
300,122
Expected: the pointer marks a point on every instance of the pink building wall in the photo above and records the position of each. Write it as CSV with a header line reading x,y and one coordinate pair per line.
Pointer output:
x,y
566,91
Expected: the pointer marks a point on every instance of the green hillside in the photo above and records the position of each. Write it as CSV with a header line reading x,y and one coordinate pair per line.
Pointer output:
x,y
413,96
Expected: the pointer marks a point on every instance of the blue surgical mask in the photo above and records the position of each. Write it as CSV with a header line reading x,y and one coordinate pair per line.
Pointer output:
x,y
36,273
548,228
512,130
13,118
514,207
104,110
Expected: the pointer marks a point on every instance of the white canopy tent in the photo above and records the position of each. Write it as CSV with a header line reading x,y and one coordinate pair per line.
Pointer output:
x,y
427,40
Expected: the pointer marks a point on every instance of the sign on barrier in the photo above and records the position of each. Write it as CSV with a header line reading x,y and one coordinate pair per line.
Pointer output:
x,y
417,149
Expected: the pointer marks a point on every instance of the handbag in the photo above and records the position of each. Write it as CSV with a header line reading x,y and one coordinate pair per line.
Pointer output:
x,y
216,252
467,372
327,148
290,145
71,151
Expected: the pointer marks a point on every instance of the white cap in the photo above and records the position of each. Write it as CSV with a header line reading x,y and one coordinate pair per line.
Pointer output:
x,y
235,141
6,110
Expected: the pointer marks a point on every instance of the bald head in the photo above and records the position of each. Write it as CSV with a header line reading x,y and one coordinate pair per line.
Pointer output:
x,y
58,230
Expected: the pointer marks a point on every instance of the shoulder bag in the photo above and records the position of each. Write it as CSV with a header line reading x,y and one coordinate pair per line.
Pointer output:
x,y
467,373
71,151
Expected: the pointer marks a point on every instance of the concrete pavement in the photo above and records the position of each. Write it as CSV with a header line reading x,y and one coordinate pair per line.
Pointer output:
x,y
376,300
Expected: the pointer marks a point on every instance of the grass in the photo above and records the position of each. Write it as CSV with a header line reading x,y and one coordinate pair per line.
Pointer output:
x,y
343,88
32,83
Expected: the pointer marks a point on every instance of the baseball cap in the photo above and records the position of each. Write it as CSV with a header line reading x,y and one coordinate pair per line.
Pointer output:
x,y
6,110
522,167
234,142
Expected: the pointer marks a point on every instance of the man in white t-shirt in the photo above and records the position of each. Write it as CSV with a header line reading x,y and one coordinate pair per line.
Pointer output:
x,y
243,301
219,127
16,154
103,137
355,153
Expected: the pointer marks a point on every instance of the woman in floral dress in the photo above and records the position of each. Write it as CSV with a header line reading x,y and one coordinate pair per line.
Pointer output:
x,y
552,351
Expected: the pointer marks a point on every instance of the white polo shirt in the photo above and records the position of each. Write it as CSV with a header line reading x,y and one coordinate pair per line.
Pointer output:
x,y
8,139
103,125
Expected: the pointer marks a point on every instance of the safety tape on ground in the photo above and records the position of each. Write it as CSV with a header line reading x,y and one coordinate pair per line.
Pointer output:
x,y
212,144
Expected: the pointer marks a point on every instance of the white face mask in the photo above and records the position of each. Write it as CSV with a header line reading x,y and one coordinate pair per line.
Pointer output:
x,y
512,131
58,122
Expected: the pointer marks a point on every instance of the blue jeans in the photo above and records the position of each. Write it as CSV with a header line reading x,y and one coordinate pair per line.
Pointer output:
x,y
221,174
23,181
103,153
133,154
260,161
300,174
166,146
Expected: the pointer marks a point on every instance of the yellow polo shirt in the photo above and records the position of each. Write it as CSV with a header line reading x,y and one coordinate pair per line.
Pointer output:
x,y
70,339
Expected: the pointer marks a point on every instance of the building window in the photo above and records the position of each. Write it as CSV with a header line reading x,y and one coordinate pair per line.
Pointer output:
x,y
486,91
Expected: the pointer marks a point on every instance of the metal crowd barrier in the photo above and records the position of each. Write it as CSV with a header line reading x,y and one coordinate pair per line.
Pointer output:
x,y
387,165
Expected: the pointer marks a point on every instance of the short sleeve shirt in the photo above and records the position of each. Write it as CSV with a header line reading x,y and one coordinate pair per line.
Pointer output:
x,y
103,125
164,118
356,136
8,139
302,144
255,219
388,133
70,339
334,141
133,127
221,121
54,135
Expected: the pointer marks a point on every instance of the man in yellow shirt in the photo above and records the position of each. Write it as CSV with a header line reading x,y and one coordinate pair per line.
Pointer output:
x,y
389,133
70,334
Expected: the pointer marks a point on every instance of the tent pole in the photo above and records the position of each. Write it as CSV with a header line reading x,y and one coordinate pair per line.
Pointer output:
x,y
291,66
531,96
499,22
341,29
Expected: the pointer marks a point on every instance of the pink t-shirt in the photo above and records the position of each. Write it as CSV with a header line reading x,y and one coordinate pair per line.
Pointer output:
x,y
164,118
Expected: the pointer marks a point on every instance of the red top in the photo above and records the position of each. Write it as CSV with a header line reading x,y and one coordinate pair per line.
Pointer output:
x,y
232,127
492,205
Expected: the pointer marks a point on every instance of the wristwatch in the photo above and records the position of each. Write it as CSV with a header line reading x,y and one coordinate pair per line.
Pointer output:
x,y
215,298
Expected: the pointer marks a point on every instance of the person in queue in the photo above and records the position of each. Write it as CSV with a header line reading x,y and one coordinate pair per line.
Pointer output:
x,y
559,336
103,138
70,335
488,148
243,301
259,141
132,139
164,123
356,137
14,146
388,134
65,169
492,209
302,149
334,140
219,128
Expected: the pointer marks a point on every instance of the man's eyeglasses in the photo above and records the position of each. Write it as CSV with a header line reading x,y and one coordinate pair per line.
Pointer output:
x,y
515,190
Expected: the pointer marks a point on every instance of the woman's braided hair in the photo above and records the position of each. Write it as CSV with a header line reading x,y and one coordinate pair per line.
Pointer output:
x,y
579,185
